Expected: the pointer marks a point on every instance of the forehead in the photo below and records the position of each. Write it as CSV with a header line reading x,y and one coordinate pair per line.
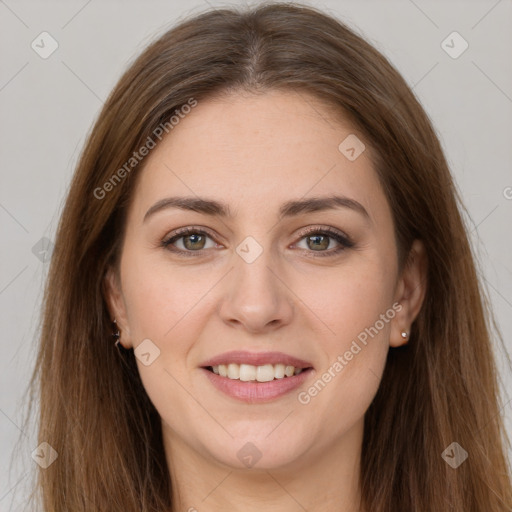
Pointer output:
x,y
252,151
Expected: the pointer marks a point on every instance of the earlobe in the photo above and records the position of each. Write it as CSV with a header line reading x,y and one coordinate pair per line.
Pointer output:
x,y
116,306
410,293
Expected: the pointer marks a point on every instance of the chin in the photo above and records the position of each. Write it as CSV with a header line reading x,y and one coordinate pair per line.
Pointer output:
x,y
261,452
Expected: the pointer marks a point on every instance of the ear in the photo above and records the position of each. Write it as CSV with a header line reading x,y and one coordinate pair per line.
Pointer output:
x,y
410,292
116,306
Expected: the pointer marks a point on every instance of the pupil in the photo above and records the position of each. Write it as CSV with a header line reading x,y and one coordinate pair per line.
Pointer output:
x,y
316,238
192,245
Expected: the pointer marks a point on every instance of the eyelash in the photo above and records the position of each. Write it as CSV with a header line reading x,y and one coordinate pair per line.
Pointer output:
x,y
344,241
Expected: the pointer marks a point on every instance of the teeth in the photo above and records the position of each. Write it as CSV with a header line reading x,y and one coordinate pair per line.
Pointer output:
x,y
248,372
233,371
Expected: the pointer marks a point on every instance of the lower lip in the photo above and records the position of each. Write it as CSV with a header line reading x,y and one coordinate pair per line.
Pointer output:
x,y
257,392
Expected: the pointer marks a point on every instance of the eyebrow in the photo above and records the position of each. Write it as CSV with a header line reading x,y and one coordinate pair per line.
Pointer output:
x,y
288,209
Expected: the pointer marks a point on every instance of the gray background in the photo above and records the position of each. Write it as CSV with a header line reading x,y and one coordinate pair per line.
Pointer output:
x,y
48,107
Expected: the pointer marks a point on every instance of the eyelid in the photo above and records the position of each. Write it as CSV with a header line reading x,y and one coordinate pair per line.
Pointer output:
x,y
319,228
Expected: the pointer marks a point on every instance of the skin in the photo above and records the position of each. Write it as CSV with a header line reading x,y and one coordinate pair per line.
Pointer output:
x,y
255,152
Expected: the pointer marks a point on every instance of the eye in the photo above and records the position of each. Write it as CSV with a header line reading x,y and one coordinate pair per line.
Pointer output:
x,y
319,240
191,239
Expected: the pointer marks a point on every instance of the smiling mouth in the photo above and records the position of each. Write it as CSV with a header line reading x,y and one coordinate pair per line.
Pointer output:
x,y
251,373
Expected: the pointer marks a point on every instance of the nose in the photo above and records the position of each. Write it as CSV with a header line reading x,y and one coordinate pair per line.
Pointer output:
x,y
256,296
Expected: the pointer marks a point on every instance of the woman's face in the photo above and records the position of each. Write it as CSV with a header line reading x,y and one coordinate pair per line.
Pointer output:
x,y
254,279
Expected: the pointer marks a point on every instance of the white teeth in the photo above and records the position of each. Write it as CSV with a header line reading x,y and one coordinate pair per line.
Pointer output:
x,y
249,372
279,371
233,371
288,371
265,373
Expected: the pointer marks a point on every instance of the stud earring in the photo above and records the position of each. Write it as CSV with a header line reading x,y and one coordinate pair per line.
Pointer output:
x,y
404,334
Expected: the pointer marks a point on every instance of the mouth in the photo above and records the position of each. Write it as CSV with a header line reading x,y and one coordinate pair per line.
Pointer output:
x,y
257,384
252,373
256,377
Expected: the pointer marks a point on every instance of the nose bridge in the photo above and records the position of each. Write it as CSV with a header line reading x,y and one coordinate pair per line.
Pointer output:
x,y
256,296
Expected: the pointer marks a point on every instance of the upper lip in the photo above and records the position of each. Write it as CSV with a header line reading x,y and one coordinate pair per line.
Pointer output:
x,y
256,359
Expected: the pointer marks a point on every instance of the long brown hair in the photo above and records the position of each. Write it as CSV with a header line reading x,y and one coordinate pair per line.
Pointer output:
x,y
440,388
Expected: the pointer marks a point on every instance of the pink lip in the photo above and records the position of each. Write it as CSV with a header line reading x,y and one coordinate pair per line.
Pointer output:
x,y
256,359
256,392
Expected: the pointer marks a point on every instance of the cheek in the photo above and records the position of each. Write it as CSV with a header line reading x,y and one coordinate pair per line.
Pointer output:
x,y
355,308
355,356
169,307
348,298
161,299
